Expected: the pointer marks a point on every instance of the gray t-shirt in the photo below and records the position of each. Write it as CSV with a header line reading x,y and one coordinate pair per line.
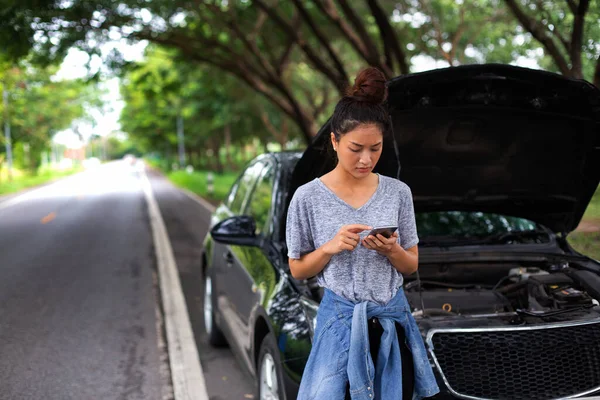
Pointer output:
x,y
316,214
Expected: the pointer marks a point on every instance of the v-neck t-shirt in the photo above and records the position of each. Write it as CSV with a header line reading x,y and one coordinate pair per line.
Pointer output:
x,y
315,216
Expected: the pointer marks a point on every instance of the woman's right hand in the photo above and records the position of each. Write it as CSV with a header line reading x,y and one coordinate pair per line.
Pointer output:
x,y
346,239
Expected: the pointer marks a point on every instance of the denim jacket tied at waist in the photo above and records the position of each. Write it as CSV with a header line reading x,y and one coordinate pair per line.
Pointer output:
x,y
384,380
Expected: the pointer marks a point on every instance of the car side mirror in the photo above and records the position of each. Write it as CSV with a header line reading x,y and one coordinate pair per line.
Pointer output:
x,y
239,230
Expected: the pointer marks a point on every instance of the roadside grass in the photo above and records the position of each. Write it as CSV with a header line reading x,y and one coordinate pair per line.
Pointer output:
x,y
22,180
196,182
588,243
593,209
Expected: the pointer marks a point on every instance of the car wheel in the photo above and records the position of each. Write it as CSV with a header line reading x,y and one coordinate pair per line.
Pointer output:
x,y
215,336
270,378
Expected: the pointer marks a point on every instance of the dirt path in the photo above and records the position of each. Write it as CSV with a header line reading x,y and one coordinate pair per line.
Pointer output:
x,y
589,226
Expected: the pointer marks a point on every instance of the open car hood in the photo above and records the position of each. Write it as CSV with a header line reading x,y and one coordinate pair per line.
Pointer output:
x,y
489,138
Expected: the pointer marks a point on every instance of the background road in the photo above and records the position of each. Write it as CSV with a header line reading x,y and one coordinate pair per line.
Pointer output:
x,y
79,306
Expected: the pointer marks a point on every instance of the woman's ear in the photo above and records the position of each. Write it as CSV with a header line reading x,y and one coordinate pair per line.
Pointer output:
x,y
333,141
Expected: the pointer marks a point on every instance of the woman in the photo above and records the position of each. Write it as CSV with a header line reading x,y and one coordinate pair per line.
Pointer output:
x,y
327,236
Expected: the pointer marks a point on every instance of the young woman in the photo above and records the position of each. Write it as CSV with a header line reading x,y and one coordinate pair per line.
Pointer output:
x,y
327,236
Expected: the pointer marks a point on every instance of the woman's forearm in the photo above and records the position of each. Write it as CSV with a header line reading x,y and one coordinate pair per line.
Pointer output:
x,y
310,264
405,261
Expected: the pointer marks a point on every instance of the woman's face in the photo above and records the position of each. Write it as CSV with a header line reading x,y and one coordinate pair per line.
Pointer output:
x,y
359,150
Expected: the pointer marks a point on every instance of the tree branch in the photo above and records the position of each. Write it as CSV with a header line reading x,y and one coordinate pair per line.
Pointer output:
x,y
388,37
322,39
321,107
295,35
438,31
270,127
328,9
238,69
539,32
260,21
250,45
370,48
285,57
554,31
577,38
460,30
572,6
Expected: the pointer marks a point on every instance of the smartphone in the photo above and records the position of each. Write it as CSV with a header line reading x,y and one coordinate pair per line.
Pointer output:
x,y
386,231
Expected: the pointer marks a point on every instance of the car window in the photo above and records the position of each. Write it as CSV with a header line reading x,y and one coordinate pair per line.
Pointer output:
x,y
244,187
472,224
259,205
232,192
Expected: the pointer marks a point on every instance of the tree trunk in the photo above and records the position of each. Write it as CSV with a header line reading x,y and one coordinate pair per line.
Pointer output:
x,y
217,157
247,154
230,163
283,137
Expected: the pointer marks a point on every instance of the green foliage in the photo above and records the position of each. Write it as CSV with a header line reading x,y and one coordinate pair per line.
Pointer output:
x,y
26,180
162,87
197,183
297,58
39,106
593,209
587,243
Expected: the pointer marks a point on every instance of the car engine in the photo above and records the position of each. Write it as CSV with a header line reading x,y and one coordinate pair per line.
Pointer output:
x,y
501,331
524,292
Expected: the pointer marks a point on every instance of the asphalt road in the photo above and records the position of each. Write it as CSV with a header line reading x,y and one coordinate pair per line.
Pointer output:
x,y
79,304
187,222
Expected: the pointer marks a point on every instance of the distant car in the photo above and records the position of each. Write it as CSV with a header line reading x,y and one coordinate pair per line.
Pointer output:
x,y
502,162
130,159
91,162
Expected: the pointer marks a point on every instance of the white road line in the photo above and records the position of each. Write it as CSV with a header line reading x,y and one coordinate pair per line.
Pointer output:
x,y
199,200
22,197
186,371
33,192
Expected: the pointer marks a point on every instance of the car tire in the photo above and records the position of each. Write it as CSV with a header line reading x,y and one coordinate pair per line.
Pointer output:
x,y
215,335
269,373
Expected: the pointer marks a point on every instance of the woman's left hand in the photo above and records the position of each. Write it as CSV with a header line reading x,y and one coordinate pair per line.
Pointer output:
x,y
381,244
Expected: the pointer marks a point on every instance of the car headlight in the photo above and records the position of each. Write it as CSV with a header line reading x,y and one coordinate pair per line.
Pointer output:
x,y
310,308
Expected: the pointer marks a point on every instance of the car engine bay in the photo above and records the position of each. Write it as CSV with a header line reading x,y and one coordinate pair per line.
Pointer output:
x,y
503,293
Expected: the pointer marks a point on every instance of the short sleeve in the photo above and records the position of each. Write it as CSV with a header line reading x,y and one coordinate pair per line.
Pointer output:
x,y
298,233
407,227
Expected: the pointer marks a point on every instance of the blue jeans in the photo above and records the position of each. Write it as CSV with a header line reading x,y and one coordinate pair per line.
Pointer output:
x,y
340,352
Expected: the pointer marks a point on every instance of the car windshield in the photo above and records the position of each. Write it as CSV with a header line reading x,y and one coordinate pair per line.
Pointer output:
x,y
469,227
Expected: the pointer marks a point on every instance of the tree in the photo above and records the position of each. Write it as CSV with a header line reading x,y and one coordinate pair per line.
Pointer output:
x,y
40,106
269,45
568,31
216,109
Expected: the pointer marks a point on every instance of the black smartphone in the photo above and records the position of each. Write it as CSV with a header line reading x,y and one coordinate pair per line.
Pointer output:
x,y
386,231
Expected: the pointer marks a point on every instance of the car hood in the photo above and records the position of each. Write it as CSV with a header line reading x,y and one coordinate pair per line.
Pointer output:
x,y
489,138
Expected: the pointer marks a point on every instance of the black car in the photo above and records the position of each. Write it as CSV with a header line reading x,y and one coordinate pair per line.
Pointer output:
x,y
502,162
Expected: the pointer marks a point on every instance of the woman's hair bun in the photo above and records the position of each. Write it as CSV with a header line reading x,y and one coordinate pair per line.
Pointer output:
x,y
369,85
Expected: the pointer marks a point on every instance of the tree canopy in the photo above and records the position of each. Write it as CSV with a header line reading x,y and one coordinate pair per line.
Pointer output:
x,y
300,54
39,106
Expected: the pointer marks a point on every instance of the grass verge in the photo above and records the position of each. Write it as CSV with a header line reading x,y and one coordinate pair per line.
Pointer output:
x,y
197,182
23,181
587,243
593,209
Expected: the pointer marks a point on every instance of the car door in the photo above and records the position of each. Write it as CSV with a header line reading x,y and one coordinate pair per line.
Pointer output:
x,y
223,259
252,276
